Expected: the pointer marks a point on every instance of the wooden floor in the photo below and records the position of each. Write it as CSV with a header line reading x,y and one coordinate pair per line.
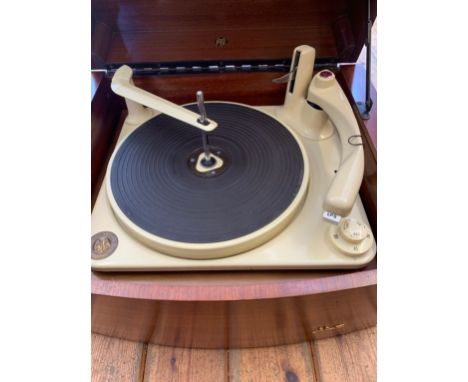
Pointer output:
x,y
350,357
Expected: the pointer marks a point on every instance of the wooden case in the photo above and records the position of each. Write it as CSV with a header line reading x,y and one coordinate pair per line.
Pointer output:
x,y
226,309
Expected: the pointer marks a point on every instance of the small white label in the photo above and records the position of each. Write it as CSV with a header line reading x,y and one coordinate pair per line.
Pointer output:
x,y
331,217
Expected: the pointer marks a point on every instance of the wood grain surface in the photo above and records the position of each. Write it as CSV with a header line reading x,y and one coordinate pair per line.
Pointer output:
x,y
234,87
347,358
148,31
351,357
291,363
181,364
115,360
231,324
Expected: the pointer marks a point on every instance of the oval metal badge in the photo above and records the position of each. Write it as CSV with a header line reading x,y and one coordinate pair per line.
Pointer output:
x,y
103,244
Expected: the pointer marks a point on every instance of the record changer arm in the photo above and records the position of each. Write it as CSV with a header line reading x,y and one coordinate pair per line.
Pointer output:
x,y
325,91
122,84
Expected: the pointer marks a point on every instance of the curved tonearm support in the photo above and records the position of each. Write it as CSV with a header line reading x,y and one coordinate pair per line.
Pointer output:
x,y
325,91
122,84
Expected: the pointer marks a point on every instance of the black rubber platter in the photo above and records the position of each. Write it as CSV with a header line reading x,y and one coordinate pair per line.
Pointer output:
x,y
154,186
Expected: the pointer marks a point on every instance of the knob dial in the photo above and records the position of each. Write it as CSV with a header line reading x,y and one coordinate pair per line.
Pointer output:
x,y
353,231
351,237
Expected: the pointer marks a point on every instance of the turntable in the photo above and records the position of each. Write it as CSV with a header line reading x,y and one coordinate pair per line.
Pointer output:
x,y
217,185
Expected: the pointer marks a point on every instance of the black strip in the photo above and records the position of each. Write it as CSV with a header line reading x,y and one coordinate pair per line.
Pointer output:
x,y
295,64
207,67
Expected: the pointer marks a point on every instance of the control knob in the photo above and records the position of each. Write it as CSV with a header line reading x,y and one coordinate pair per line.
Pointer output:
x,y
351,236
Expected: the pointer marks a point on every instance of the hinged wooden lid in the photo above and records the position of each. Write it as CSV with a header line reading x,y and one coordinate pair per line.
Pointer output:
x,y
149,31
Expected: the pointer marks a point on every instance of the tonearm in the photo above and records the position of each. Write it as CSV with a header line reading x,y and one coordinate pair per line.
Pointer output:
x,y
135,97
310,103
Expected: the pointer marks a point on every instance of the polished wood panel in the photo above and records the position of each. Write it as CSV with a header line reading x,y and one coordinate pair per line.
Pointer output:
x,y
115,360
351,357
234,87
235,324
101,39
140,15
148,31
170,364
241,44
229,285
281,363
231,309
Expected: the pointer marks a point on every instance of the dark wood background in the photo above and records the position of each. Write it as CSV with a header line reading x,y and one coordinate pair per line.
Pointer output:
x,y
151,31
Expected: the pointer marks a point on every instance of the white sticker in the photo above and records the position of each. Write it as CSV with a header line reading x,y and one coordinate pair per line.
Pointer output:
x,y
331,217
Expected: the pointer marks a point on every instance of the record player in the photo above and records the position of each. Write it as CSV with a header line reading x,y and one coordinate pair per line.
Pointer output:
x,y
220,185
234,52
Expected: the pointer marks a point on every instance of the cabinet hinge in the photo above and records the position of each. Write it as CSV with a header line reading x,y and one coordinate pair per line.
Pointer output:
x,y
197,67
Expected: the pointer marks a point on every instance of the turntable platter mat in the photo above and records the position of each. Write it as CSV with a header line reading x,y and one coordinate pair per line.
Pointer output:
x,y
160,199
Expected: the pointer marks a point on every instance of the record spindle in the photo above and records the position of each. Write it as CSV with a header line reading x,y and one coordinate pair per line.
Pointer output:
x,y
208,160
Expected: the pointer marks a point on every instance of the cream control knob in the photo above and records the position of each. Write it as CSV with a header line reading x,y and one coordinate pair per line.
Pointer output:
x,y
351,237
353,230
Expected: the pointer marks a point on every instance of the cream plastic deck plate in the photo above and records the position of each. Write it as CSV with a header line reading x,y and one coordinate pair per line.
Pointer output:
x,y
220,185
